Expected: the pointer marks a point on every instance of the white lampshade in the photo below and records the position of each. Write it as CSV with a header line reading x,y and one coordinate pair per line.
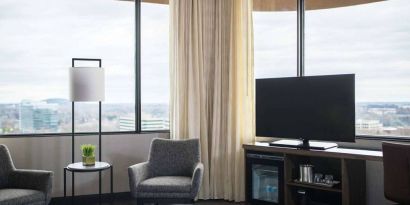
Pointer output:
x,y
87,84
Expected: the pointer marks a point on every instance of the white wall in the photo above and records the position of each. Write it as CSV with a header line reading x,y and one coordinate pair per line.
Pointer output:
x,y
53,153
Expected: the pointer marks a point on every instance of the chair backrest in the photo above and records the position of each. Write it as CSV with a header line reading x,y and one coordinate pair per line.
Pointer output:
x,y
396,162
173,157
6,165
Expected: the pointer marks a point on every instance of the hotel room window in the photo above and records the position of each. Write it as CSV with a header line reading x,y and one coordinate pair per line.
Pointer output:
x,y
154,66
274,39
373,41
36,51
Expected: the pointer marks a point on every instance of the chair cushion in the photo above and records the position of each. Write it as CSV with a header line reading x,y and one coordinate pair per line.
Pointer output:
x,y
166,184
173,157
21,196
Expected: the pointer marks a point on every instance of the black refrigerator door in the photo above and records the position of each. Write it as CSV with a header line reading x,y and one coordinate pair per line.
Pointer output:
x,y
264,179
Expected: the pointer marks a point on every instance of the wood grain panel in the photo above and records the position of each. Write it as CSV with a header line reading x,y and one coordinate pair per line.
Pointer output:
x,y
341,153
290,5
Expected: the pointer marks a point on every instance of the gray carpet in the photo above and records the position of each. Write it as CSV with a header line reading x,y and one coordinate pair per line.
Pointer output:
x,y
131,201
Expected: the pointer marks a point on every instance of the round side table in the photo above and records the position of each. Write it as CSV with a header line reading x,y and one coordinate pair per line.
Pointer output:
x,y
79,167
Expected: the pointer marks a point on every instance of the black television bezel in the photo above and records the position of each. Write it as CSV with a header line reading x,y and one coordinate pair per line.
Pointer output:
x,y
305,139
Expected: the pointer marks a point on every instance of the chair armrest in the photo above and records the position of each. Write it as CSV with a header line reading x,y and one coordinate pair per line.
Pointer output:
x,y
197,178
32,179
137,173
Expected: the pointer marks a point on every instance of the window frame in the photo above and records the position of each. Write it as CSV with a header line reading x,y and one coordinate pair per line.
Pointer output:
x,y
300,70
137,68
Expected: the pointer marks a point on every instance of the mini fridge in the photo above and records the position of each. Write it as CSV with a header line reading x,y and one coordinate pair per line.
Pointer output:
x,y
264,179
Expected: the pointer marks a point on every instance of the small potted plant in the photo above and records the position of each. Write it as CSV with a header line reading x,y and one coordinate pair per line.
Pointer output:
x,y
88,154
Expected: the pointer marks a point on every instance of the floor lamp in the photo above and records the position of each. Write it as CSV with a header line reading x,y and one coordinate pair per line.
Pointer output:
x,y
87,84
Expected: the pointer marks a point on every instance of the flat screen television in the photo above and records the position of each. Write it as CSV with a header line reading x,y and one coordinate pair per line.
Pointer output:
x,y
307,108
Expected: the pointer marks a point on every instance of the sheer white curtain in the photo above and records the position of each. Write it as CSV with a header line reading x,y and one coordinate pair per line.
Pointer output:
x,y
212,88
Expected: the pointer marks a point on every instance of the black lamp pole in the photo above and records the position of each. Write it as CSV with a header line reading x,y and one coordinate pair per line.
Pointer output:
x,y
72,113
72,124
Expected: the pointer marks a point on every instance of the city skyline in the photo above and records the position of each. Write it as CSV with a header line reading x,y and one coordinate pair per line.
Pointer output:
x,y
54,116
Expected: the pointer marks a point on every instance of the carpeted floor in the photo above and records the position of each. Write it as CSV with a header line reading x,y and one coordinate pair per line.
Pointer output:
x,y
130,201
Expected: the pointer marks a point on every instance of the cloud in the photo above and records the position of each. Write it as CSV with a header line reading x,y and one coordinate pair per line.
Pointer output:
x,y
371,40
39,38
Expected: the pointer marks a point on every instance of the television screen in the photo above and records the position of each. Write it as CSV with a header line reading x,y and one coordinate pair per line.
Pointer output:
x,y
311,107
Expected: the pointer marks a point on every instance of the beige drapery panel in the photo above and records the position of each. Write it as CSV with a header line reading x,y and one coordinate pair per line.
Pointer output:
x,y
212,88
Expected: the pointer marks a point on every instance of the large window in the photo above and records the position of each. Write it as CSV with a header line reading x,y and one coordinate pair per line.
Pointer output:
x,y
154,67
373,41
275,43
37,41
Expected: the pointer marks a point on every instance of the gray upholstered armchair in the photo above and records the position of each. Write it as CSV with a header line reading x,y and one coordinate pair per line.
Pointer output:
x,y
173,173
22,187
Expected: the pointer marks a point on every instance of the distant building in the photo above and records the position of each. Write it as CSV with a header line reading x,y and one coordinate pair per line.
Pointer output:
x,y
368,124
128,124
155,124
26,116
382,111
38,116
390,130
403,131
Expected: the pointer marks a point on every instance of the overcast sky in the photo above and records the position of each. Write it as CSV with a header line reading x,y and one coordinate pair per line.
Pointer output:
x,y
371,40
39,38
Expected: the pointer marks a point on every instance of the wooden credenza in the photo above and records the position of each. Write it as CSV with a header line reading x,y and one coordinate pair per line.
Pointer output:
x,y
347,165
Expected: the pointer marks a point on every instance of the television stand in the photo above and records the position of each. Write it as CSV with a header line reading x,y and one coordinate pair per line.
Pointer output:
x,y
303,144
346,165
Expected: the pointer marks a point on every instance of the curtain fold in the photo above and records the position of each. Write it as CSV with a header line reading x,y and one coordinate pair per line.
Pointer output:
x,y
212,88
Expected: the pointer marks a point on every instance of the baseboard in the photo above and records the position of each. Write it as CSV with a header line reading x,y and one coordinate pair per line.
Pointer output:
x,y
90,199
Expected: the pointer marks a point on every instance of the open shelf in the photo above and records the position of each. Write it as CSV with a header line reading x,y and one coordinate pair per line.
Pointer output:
x,y
312,186
350,171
